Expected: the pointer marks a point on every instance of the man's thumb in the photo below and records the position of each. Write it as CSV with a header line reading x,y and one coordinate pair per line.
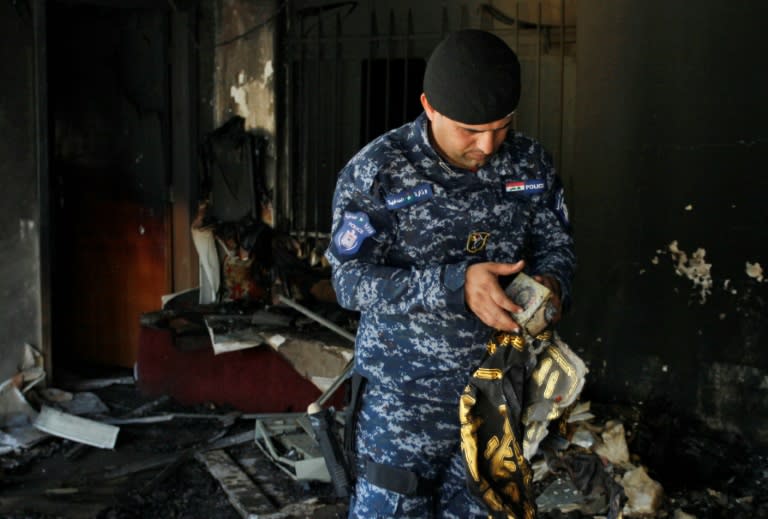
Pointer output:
x,y
504,269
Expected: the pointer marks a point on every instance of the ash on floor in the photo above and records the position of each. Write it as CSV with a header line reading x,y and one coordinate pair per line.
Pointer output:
x,y
156,470
153,471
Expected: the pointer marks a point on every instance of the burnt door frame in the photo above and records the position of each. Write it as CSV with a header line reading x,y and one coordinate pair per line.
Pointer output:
x,y
39,24
179,130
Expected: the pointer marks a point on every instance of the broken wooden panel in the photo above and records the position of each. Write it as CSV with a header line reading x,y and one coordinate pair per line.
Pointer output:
x,y
253,380
244,495
314,359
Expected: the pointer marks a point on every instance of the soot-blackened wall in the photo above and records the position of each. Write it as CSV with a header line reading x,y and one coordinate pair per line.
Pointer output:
x,y
20,261
672,145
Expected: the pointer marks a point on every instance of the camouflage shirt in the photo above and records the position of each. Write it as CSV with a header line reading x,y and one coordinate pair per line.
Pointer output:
x,y
405,227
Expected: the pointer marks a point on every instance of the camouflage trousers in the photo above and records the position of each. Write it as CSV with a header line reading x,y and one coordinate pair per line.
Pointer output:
x,y
418,435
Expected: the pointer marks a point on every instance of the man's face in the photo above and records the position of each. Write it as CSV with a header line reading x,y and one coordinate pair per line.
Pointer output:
x,y
467,146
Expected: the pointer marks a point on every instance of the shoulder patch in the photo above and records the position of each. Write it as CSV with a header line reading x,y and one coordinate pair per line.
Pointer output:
x,y
355,228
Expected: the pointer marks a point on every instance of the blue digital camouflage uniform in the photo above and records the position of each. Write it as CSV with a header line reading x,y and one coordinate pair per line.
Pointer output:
x,y
406,225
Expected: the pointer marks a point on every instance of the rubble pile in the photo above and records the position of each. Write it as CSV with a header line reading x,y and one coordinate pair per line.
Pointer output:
x,y
638,463
156,469
131,456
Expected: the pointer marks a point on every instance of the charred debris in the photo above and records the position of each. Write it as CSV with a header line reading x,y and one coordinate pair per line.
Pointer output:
x,y
204,460
99,447
105,447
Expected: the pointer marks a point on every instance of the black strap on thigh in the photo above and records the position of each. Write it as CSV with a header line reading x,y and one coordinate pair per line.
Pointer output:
x,y
356,387
398,480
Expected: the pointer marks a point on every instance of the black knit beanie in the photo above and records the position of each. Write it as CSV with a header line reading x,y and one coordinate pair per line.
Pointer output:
x,y
473,77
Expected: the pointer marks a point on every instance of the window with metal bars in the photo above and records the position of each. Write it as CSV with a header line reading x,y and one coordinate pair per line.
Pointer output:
x,y
354,70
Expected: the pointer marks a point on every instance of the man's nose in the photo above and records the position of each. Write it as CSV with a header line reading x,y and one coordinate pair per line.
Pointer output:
x,y
485,142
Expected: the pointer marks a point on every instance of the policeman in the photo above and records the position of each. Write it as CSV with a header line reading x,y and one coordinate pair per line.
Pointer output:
x,y
426,219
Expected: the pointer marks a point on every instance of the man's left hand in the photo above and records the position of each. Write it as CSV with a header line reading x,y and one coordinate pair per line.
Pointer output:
x,y
554,286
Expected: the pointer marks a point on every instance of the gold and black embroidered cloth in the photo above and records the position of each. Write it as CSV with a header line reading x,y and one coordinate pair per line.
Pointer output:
x,y
491,438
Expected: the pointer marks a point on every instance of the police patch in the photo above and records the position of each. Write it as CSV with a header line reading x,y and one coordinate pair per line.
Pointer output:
x,y
354,229
476,241
409,196
528,187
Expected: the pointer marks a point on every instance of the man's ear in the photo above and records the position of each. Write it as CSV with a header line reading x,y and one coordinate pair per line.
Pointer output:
x,y
427,107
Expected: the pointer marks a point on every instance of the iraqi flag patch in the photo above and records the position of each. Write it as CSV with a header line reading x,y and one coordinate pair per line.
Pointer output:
x,y
528,187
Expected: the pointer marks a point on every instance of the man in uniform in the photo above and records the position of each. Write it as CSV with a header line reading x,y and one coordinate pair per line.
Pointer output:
x,y
426,219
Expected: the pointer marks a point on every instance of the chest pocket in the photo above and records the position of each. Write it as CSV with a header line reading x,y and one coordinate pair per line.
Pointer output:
x,y
447,229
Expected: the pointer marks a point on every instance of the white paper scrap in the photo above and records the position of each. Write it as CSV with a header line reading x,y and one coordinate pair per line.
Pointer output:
x,y
77,429
276,341
226,336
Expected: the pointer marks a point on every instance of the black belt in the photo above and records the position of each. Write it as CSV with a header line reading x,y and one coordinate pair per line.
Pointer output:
x,y
398,480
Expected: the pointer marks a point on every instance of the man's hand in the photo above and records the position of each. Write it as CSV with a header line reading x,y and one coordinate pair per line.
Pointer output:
x,y
554,286
485,297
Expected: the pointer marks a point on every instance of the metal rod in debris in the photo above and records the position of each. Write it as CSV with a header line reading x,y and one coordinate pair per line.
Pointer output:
x,y
325,322
328,393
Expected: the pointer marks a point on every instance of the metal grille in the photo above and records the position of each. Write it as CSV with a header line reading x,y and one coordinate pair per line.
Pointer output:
x,y
354,70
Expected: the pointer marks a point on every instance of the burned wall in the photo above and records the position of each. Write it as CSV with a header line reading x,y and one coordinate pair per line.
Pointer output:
x,y
352,70
244,76
20,291
666,145
109,161
672,144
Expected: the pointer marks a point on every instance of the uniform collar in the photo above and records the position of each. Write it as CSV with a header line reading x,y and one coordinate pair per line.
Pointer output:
x,y
422,123
423,141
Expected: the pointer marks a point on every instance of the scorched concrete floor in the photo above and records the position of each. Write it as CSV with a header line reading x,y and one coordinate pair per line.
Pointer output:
x,y
153,472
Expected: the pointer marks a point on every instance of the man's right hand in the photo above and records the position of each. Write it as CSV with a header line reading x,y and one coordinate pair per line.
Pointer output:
x,y
485,297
